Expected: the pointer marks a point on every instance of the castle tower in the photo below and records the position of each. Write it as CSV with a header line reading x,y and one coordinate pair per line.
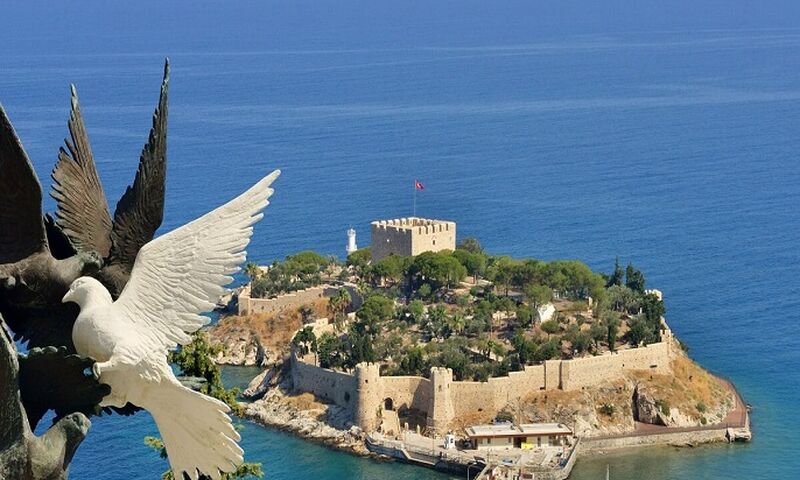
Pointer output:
x,y
351,241
440,411
369,394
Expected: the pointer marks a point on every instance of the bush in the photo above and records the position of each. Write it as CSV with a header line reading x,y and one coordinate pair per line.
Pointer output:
x,y
663,406
701,407
504,416
607,409
550,326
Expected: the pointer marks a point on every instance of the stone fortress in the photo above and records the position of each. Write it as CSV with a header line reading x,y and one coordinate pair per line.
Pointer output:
x,y
411,236
368,397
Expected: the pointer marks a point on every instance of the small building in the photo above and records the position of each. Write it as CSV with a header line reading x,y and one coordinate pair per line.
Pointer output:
x,y
526,435
411,236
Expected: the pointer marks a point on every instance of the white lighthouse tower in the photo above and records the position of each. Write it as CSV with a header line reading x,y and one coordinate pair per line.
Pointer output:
x,y
351,241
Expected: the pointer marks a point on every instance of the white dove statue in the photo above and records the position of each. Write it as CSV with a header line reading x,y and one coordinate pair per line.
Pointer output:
x,y
175,279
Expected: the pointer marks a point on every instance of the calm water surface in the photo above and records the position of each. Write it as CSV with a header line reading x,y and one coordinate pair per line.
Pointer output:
x,y
665,136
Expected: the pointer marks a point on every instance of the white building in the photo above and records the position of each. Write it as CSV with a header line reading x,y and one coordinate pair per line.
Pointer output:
x,y
351,241
526,435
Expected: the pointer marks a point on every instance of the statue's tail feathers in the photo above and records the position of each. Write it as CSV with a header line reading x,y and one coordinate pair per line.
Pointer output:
x,y
196,430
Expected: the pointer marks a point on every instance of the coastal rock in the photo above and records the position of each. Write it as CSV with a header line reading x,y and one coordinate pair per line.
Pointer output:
x,y
244,348
645,407
316,423
267,379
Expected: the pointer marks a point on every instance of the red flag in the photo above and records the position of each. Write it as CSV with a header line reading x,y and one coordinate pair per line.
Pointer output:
x,y
418,185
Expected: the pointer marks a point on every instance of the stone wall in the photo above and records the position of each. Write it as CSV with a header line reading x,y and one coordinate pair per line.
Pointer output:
x,y
411,236
289,301
444,399
336,387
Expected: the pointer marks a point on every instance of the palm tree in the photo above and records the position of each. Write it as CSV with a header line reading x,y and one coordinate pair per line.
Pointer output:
x,y
337,306
457,323
252,270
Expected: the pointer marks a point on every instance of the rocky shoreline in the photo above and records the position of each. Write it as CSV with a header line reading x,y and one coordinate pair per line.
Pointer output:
x,y
277,410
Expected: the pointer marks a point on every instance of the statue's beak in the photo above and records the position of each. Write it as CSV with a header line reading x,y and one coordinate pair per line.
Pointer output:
x,y
67,297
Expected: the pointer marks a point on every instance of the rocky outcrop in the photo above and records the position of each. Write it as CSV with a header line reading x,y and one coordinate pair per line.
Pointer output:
x,y
244,348
267,379
328,424
649,408
646,408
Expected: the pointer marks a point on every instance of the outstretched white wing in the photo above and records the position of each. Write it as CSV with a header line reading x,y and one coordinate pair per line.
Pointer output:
x,y
180,275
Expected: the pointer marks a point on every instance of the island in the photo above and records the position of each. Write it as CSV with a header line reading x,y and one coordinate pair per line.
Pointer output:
x,y
437,353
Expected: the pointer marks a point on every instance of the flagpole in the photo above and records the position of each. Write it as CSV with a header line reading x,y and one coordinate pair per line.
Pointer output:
x,y
414,211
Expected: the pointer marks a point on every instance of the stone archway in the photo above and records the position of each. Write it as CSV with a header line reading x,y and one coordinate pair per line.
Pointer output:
x,y
388,403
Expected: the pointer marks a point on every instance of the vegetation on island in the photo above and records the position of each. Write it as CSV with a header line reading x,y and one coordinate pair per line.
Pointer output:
x,y
302,270
478,314
195,361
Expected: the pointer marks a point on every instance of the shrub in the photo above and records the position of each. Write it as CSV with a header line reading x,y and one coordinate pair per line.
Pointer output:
x,y
701,407
663,406
607,409
504,416
550,326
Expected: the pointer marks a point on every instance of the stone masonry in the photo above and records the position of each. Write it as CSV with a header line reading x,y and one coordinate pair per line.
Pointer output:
x,y
411,236
365,392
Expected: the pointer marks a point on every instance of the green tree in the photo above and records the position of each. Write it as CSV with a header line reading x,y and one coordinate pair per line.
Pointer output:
x,y
550,327
438,269
598,332
425,291
501,272
359,347
338,305
437,321
524,315
618,277
634,279
391,268
456,323
413,363
538,295
612,325
416,310
471,245
359,259
252,270
374,310
524,348
305,340
329,351
475,263
623,299
639,331
548,350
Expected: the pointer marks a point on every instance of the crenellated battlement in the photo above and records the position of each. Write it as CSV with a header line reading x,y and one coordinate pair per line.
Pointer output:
x,y
411,236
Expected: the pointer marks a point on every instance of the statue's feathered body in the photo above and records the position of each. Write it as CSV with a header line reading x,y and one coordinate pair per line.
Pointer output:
x,y
31,278
175,279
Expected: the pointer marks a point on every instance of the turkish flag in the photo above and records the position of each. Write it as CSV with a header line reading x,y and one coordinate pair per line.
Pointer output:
x,y
418,185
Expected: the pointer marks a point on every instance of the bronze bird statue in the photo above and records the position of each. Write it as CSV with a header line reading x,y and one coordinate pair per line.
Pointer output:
x,y
32,279
23,455
82,209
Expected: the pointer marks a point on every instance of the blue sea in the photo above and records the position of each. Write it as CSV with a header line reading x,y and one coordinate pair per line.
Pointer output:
x,y
665,133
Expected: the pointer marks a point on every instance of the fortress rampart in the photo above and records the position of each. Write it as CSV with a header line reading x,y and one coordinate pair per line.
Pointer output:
x,y
365,392
248,305
411,236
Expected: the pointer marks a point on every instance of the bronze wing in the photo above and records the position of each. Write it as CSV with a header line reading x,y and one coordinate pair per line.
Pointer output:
x,y
21,226
140,211
82,209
